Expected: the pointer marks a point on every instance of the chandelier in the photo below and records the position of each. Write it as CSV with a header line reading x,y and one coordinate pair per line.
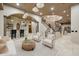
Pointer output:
x,y
25,15
40,5
53,18
35,9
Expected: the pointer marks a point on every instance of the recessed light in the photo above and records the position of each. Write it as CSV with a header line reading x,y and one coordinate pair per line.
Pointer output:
x,y
52,8
25,15
17,4
35,9
64,11
41,13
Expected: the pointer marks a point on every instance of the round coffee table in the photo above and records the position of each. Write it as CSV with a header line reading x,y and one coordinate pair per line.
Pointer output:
x,y
28,45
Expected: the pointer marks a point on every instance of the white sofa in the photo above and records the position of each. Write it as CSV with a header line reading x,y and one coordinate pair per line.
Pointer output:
x,y
11,47
34,36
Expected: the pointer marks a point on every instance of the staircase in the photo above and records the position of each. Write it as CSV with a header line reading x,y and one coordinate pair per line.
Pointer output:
x,y
47,26
44,23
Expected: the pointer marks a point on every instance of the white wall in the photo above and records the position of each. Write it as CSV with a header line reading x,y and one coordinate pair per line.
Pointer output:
x,y
75,23
75,18
1,23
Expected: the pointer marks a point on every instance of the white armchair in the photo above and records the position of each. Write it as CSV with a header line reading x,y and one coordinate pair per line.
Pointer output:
x,y
11,50
49,40
37,36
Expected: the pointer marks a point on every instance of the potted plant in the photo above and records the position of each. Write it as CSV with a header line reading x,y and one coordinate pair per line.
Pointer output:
x,y
25,38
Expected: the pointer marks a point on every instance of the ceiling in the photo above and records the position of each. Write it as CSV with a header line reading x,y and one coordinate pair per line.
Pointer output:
x,y
1,6
59,9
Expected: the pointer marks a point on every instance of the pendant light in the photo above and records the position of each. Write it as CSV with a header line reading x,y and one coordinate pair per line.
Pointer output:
x,y
40,5
25,15
35,9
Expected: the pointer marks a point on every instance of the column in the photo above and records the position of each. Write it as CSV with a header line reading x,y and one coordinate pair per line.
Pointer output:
x,y
1,23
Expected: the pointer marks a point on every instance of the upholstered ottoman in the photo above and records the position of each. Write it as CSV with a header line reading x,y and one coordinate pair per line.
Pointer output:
x,y
28,45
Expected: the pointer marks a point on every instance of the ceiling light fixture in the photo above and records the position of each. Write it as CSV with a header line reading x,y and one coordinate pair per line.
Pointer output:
x,y
64,11
35,9
52,9
12,20
25,15
40,5
17,4
54,18
41,13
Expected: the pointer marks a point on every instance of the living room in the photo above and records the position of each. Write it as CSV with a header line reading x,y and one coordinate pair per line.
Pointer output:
x,y
37,29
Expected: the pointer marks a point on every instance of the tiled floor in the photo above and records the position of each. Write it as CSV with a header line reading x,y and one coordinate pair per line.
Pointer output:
x,y
63,47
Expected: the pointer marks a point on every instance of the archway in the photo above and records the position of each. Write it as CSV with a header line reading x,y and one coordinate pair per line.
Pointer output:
x,y
12,20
